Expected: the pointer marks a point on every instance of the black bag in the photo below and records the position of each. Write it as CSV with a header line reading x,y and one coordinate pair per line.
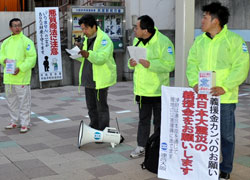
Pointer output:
x,y
152,153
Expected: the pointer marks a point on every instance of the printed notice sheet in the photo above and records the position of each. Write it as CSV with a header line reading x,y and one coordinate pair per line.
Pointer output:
x,y
137,53
74,52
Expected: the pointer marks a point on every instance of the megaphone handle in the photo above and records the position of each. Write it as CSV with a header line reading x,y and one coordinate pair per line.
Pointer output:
x,y
117,125
122,139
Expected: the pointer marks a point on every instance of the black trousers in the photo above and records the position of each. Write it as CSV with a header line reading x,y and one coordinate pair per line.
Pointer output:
x,y
98,108
145,114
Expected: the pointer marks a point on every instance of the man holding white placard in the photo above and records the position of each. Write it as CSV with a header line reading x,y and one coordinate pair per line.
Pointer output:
x,y
225,53
149,75
18,56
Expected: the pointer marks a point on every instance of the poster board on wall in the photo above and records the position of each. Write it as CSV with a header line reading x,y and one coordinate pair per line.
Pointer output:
x,y
109,19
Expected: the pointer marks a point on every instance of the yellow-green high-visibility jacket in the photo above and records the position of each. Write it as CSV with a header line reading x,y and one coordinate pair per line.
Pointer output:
x,y
20,48
160,54
227,55
103,63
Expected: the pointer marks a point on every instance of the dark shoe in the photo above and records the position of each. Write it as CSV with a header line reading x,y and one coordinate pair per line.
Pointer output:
x,y
224,176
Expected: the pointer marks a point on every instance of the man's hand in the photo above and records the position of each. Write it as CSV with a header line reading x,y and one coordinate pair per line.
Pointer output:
x,y
144,62
132,63
217,91
196,88
5,61
16,71
84,53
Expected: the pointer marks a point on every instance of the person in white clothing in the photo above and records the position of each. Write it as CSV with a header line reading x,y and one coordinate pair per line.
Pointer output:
x,y
20,50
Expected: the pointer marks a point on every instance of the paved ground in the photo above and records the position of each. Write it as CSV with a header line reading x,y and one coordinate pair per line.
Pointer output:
x,y
49,150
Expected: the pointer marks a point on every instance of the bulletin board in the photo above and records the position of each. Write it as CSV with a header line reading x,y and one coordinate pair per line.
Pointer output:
x,y
109,19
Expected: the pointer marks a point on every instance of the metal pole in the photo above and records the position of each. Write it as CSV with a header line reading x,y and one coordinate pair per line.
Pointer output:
x,y
184,37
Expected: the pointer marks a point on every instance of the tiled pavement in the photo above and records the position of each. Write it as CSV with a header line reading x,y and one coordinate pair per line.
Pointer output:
x,y
49,150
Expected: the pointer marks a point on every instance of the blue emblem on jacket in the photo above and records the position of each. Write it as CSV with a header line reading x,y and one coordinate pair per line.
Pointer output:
x,y
28,47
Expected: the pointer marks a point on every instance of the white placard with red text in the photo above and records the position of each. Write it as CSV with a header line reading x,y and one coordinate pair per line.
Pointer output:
x,y
48,44
190,135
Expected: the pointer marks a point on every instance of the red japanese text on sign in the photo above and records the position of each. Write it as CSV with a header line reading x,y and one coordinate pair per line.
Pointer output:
x,y
53,32
187,135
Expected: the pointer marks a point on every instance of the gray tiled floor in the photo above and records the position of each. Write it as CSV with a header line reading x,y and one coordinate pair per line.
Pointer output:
x,y
49,150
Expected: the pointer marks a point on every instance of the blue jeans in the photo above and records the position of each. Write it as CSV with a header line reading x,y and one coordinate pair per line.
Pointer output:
x,y
227,136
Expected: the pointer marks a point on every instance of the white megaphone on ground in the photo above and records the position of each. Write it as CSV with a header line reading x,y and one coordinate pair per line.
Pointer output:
x,y
87,134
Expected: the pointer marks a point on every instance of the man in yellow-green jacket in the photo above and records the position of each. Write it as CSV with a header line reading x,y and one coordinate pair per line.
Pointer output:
x,y
224,52
97,71
21,51
149,75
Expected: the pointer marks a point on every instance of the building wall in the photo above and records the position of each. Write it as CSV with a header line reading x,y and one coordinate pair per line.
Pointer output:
x,y
162,11
5,17
239,10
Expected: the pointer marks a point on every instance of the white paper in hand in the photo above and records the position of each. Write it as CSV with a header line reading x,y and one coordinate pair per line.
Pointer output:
x,y
74,52
137,53
75,56
10,66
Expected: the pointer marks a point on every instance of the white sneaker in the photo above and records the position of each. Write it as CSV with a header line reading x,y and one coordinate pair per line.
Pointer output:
x,y
138,152
24,129
11,126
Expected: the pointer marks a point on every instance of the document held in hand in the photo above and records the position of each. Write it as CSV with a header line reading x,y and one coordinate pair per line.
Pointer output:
x,y
74,52
10,66
137,53
207,80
